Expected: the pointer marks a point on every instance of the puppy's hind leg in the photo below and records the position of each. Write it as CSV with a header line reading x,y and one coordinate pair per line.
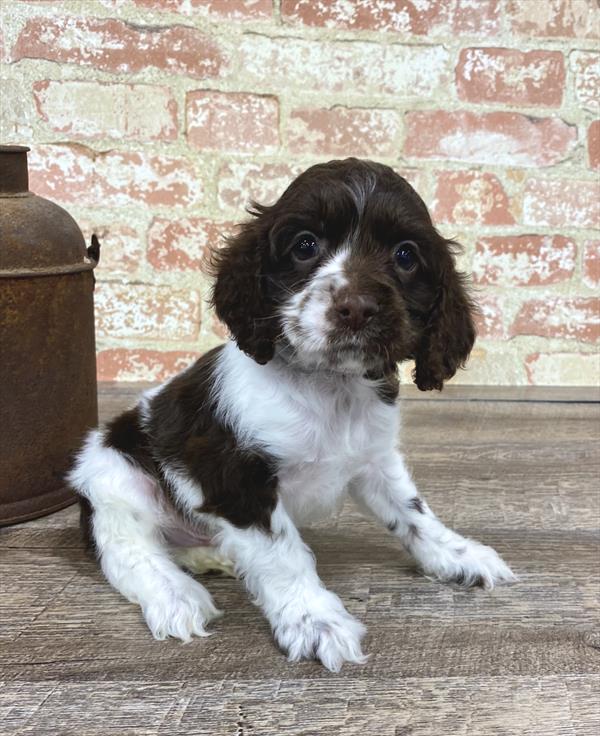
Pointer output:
x,y
126,530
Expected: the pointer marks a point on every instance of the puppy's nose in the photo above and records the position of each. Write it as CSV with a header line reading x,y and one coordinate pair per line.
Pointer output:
x,y
354,311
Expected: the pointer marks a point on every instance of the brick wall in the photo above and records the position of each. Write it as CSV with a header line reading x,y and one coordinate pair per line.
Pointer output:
x,y
154,122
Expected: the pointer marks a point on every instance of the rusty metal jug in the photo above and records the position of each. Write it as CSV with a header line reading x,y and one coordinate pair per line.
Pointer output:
x,y
48,396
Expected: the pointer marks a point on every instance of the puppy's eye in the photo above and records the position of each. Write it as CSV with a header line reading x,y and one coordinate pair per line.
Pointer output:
x,y
306,247
405,256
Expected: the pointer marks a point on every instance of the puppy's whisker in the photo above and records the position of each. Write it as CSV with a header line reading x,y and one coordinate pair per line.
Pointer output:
x,y
264,319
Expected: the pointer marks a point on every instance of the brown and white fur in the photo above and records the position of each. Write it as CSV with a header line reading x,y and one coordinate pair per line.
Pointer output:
x,y
324,293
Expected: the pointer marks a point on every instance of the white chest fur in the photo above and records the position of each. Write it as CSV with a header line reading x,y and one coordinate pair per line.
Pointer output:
x,y
322,428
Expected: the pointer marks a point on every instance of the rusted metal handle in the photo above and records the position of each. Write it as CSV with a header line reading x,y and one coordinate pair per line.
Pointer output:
x,y
93,250
93,253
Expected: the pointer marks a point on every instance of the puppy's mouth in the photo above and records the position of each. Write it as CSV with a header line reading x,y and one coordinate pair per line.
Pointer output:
x,y
357,344
348,333
348,358
337,350
366,348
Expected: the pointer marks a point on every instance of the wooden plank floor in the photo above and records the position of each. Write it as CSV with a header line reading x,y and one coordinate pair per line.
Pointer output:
x,y
518,471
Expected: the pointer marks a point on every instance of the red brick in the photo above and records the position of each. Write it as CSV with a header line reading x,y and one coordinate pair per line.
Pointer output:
x,y
511,76
471,198
591,263
230,9
155,180
482,18
336,66
66,174
184,244
575,318
399,16
114,46
243,181
121,251
561,203
593,141
499,138
140,364
142,311
417,178
585,66
566,369
410,17
489,319
524,260
343,131
76,174
232,121
554,18
98,110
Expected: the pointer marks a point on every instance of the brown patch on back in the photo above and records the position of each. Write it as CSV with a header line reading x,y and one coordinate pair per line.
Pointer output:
x,y
238,484
126,434
182,432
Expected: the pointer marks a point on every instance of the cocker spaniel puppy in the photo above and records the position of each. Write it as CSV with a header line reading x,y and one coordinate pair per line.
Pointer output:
x,y
324,293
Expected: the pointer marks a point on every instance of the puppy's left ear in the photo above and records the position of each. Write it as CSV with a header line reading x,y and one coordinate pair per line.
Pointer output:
x,y
450,332
239,292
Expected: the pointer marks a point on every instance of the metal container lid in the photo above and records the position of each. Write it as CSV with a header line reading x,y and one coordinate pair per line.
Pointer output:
x,y
37,237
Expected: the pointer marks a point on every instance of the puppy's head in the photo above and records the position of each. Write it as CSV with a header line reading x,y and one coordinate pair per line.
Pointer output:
x,y
346,272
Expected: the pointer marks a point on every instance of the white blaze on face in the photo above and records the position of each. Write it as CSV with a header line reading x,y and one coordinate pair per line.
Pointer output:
x,y
305,322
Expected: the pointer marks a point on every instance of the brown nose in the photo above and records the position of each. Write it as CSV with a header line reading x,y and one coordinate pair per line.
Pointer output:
x,y
354,311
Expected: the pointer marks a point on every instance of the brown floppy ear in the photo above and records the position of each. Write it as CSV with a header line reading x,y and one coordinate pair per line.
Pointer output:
x,y
449,335
239,292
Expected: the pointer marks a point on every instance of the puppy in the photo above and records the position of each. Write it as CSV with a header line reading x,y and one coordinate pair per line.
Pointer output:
x,y
324,293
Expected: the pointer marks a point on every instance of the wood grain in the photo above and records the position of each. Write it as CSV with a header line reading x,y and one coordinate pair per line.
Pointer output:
x,y
523,660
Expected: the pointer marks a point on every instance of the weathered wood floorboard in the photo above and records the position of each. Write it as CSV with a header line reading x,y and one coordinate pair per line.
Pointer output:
x,y
523,660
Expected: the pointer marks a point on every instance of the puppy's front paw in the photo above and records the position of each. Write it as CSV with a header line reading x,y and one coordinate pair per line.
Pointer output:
x,y
332,638
180,611
470,564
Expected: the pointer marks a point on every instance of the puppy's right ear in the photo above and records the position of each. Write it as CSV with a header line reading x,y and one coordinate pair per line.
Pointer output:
x,y
239,292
